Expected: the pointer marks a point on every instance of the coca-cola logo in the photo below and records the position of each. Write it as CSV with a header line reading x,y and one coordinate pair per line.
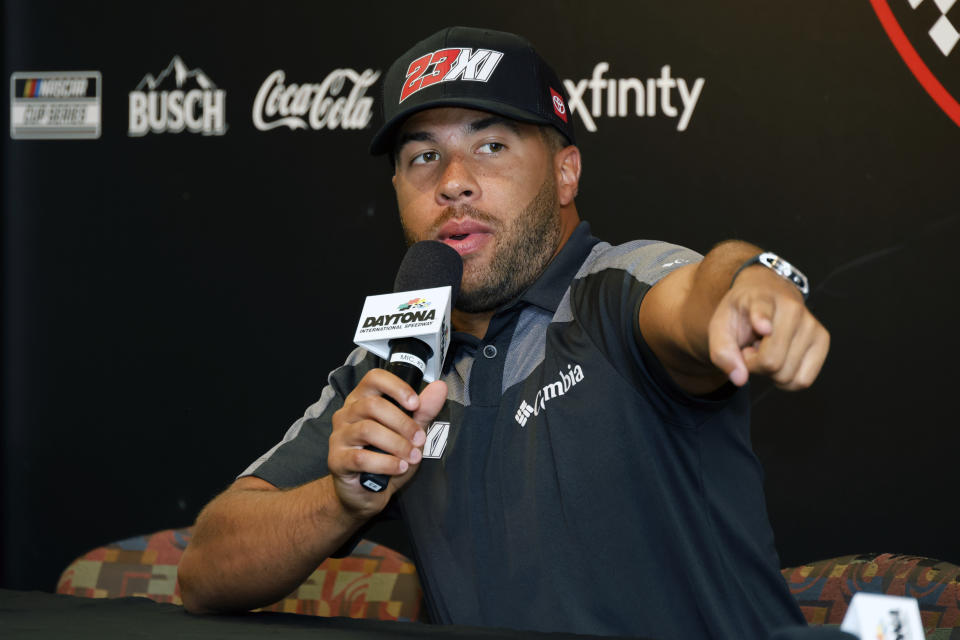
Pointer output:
x,y
338,102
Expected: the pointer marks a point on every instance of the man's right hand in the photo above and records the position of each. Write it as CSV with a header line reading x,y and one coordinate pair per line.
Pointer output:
x,y
254,543
369,418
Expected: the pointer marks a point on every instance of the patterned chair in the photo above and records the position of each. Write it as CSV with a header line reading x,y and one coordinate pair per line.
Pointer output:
x,y
377,582
824,588
373,582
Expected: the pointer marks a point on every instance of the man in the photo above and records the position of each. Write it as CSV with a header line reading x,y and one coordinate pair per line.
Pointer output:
x,y
597,476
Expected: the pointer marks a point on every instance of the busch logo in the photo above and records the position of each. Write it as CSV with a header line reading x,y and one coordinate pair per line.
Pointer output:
x,y
445,65
199,110
568,379
323,104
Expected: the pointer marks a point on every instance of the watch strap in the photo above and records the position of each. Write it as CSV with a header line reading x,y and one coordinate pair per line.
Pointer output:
x,y
779,266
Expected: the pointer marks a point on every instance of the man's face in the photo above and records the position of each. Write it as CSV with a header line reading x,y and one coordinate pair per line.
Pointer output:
x,y
484,185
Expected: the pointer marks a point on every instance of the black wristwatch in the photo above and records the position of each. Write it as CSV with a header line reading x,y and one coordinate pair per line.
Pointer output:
x,y
779,266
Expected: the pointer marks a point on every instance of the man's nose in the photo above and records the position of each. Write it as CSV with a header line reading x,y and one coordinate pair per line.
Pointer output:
x,y
457,184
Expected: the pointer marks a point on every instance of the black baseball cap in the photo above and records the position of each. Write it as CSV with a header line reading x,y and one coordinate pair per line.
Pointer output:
x,y
480,69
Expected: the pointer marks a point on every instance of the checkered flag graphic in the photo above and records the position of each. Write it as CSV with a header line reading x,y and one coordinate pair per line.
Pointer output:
x,y
943,32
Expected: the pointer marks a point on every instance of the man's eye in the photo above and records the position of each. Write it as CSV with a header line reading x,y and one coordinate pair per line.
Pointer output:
x,y
493,147
425,157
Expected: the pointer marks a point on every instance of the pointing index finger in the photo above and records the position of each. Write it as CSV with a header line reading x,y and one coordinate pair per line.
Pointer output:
x,y
761,316
725,347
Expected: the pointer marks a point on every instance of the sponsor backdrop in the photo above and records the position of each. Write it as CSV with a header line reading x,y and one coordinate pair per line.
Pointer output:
x,y
192,222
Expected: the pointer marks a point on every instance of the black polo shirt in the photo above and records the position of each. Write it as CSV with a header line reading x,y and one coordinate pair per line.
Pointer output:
x,y
571,485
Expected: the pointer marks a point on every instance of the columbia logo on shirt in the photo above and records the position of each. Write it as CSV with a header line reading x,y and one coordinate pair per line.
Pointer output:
x,y
568,379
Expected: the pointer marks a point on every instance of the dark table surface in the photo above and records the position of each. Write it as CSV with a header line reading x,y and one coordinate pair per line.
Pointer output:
x,y
36,614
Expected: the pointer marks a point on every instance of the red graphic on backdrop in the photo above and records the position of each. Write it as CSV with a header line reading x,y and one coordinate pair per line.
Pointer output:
x,y
943,33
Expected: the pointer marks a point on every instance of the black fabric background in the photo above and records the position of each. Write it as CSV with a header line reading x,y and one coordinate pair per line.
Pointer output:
x,y
172,303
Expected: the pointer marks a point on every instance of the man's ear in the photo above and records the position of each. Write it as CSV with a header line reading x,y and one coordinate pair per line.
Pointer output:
x,y
566,164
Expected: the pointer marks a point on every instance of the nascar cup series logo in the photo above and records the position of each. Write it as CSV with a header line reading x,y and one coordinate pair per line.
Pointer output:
x,y
177,99
338,102
55,105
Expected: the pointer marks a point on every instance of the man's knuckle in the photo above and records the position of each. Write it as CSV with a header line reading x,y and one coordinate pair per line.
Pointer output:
x,y
781,378
356,458
366,429
769,362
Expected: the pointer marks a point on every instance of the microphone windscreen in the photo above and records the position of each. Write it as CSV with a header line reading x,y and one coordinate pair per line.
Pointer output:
x,y
429,264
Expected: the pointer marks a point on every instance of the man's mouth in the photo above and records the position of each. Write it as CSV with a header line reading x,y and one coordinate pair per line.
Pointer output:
x,y
465,236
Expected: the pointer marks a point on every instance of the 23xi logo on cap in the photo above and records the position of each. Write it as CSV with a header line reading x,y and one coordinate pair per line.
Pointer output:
x,y
445,65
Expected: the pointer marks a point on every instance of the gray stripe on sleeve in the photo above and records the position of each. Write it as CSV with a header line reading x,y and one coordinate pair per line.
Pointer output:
x,y
646,260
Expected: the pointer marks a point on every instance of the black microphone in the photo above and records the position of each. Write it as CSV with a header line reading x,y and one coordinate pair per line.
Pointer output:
x,y
426,265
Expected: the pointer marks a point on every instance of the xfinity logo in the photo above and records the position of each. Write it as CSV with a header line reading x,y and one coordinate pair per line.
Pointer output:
x,y
446,65
568,379
619,98
179,98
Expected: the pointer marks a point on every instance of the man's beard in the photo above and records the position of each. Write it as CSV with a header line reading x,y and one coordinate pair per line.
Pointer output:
x,y
524,247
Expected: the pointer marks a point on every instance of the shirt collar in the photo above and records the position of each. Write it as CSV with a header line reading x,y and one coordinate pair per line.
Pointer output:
x,y
547,291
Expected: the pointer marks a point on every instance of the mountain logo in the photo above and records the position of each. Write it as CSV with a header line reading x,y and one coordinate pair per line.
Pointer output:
x,y
926,34
178,98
